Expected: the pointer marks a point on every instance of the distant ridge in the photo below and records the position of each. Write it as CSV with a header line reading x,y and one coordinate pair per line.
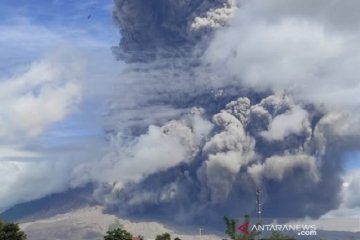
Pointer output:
x,y
51,205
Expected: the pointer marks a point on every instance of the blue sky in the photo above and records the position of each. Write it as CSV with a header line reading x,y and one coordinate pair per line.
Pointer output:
x,y
33,29
352,161
59,13
56,71
68,19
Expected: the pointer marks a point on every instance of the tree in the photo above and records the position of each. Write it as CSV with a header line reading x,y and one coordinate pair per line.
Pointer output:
x,y
11,231
231,229
118,234
165,236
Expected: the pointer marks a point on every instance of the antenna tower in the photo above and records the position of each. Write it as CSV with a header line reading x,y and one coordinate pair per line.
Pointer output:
x,y
258,204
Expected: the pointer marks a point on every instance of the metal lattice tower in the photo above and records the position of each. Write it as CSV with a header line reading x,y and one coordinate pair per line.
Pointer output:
x,y
258,211
258,204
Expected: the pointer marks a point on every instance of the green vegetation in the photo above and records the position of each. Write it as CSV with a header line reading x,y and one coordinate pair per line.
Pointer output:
x,y
118,234
11,231
231,227
165,236
232,231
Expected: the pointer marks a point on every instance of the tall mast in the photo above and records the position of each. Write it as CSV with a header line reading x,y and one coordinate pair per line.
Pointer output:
x,y
258,204
258,211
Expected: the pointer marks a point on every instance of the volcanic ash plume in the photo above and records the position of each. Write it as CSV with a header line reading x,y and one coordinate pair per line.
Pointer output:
x,y
166,25
190,141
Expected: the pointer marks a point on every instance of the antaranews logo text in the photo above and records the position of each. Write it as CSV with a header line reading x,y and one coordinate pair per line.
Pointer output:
x,y
300,229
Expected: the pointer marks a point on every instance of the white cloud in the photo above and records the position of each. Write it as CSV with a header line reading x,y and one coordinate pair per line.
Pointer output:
x,y
36,97
351,189
15,152
24,181
46,93
157,150
276,167
31,101
292,122
281,47
215,18
50,76
346,217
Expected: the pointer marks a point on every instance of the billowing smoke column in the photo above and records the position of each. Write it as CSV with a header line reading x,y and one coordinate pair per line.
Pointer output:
x,y
150,27
218,139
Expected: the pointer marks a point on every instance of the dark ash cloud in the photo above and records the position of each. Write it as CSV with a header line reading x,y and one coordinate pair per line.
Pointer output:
x,y
166,26
208,110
